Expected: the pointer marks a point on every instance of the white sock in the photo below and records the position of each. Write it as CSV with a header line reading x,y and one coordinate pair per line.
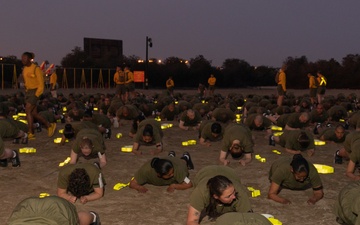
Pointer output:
x,y
94,218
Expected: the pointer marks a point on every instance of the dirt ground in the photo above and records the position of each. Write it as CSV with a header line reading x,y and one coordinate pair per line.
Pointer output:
x,y
38,174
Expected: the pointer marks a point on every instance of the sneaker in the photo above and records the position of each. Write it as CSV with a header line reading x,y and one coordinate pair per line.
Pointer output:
x,y
271,140
316,131
171,154
187,158
62,118
97,165
51,129
3,162
31,136
16,141
337,159
24,140
108,133
97,218
38,127
15,160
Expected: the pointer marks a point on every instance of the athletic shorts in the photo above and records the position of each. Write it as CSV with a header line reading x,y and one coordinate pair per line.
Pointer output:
x,y
313,92
30,96
321,90
280,90
120,89
130,87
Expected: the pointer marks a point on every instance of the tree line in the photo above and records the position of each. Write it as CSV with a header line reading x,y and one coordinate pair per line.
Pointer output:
x,y
234,73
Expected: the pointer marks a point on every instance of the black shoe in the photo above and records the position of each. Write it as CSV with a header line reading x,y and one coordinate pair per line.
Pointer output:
x,y
25,139
97,221
16,160
172,154
3,162
187,158
337,159
271,140
16,141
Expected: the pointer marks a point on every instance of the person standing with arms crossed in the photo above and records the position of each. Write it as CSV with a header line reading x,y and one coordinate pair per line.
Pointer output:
x,y
34,85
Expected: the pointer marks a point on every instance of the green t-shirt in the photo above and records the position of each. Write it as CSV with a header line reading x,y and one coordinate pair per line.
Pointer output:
x,y
53,210
147,175
96,178
191,122
329,135
97,141
8,129
355,148
251,124
157,134
200,197
223,115
289,140
168,115
294,121
237,132
280,173
205,131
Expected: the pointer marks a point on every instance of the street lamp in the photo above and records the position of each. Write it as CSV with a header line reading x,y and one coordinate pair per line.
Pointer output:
x,y
148,44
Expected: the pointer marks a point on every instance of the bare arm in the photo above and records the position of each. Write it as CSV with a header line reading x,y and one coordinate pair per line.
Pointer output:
x,y
135,149
63,194
73,157
287,127
182,126
223,159
97,194
246,159
292,151
350,171
202,141
134,185
182,186
102,159
273,194
317,195
193,216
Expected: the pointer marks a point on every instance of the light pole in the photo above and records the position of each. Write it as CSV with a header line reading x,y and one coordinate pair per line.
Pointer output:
x,y
148,44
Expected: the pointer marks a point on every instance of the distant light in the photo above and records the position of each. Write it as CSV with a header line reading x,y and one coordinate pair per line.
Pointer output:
x,y
186,62
1,58
159,61
140,61
150,60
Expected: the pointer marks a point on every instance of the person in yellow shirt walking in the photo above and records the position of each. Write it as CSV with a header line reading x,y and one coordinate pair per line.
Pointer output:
x,y
321,86
211,82
34,85
53,82
119,80
313,88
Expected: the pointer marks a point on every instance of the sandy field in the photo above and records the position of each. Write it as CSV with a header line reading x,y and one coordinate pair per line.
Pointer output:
x,y
38,174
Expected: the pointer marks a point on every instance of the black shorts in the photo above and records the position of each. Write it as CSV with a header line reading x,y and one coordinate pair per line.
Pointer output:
x,y
280,90
30,96
321,90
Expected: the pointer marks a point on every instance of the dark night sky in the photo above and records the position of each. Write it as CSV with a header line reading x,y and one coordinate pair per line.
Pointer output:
x,y
261,32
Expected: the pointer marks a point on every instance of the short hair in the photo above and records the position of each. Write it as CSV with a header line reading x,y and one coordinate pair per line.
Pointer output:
x,y
148,130
299,164
68,131
216,128
161,166
303,140
79,183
